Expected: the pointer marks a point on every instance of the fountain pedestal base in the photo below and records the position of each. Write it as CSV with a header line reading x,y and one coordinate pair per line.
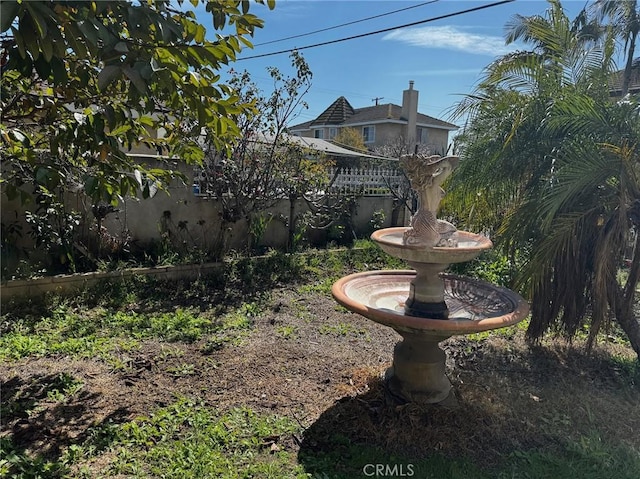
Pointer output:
x,y
418,371
426,310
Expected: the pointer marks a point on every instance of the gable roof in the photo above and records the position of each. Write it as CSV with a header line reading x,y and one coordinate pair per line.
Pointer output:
x,y
341,113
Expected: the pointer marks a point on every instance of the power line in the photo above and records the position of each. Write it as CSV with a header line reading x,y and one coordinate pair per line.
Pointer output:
x,y
344,24
441,17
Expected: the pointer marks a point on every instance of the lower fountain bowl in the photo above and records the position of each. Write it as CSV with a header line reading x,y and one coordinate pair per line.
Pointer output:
x,y
473,305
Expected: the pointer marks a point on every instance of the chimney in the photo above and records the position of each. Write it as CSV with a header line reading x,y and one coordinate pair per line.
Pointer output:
x,y
410,113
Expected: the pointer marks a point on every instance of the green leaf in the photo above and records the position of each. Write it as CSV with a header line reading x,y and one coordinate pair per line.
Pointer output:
x,y
135,78
146,71
120,130
17,36
8,13
90,185
75,39
90,31
20,137
42,67
59,71
200,34
107,76
31,42
146,120
25,197
46,46
42,175
39,22
124,186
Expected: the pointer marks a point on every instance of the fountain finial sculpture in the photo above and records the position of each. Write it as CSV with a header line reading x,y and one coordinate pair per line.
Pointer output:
x,y
424,305
427,173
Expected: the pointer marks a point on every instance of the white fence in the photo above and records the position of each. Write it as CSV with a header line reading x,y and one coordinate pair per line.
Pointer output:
x,y
343,181
368,181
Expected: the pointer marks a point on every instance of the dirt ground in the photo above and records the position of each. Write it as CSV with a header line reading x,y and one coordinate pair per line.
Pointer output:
x,y
308,359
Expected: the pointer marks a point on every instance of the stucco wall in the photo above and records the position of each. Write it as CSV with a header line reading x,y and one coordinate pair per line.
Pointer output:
x,y
438,141
192,219
389,133
200,216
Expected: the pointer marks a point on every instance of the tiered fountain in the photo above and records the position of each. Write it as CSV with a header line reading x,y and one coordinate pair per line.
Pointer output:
x,y
426,306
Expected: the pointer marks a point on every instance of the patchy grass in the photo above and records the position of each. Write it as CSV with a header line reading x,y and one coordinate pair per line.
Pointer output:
x,y
257,373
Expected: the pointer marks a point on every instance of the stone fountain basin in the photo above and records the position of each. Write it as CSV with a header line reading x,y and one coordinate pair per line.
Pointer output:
x,y
470,245
474,305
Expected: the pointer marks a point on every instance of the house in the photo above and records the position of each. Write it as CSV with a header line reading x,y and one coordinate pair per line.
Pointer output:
x,y
615,83
384,124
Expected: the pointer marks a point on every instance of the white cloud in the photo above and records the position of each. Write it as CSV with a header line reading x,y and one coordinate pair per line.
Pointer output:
x,y
451,38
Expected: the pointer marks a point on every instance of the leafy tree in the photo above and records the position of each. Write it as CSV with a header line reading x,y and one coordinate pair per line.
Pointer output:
x,y
83,82
550,165
264,165
350,138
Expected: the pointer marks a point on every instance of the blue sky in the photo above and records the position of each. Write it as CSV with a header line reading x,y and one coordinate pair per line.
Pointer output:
x,y
444,58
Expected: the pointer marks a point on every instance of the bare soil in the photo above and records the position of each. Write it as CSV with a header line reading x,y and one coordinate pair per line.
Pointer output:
x,y
308,359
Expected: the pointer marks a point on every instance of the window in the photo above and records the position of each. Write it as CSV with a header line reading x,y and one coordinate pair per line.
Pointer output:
x,y
318,134
369,134
332,133
422,135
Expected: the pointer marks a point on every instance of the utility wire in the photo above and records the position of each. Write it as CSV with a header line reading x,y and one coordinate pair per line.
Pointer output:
x,y
344,24
441,17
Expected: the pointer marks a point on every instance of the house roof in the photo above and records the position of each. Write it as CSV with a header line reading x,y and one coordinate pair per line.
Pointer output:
x,y
390,111
341,113
615,82
322,146
338,112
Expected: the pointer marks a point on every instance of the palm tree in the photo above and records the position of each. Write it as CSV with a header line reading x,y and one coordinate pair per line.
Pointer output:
x,y
509,106
624,17
589,218
557,162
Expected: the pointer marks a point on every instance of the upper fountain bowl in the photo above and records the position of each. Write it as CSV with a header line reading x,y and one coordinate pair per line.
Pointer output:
x,y
470,245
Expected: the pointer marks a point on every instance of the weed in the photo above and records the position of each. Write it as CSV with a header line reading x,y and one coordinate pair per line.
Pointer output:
x,y
508,333
189,440
182,370
287,332
342,329
65,385
17,464
169,353
85,335
491,266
